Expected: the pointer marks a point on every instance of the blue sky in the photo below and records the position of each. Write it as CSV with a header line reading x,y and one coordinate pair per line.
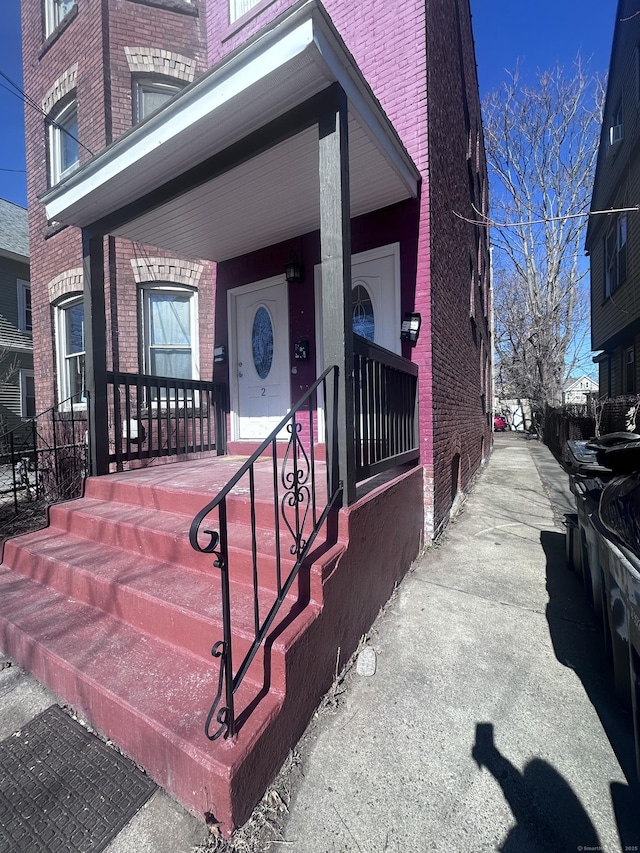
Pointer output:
x,y
540,32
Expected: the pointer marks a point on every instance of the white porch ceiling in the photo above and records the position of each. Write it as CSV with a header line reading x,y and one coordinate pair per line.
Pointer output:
x,y
268,198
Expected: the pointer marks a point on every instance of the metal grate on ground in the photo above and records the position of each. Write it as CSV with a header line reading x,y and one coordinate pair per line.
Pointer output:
x,y
62,790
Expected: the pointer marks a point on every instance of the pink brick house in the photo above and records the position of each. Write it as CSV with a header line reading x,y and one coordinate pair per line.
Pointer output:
x,y
311,184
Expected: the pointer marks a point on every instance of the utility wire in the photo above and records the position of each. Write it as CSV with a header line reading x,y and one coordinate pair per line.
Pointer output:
x,y
20,93
491,223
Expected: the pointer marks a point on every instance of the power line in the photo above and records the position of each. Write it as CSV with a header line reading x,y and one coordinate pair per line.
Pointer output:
x,y
27,99
487,222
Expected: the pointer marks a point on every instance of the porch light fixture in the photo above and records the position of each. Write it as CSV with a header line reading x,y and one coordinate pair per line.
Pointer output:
x,y
293,272
410,328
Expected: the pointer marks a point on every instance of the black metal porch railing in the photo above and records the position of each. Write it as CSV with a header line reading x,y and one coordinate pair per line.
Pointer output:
x,y
385,409
43,460
157,416
301,504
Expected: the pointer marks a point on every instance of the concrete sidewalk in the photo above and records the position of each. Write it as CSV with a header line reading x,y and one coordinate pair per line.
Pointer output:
x,y
490,723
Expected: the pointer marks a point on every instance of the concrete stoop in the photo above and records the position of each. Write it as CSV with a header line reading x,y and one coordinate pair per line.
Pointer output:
x,y
111,609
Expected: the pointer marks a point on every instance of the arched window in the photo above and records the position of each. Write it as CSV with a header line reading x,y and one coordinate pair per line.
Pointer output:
x,y
364,321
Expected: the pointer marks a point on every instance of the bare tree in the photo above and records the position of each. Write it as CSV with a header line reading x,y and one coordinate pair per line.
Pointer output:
x,y
542,143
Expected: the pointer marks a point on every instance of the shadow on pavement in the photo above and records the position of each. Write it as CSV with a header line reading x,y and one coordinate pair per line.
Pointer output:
x,y
549,816
578,644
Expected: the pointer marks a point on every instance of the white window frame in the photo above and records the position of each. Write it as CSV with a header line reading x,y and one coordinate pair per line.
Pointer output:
x,y
67,361
58,126
147,291
144,85
55,11
616,130
24,376
25,323
238,8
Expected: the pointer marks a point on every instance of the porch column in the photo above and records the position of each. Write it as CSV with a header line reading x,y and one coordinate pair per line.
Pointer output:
x,y
335,252
95,342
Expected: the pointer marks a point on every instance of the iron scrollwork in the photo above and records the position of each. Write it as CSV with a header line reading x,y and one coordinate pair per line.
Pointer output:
x,y
296,483
222,715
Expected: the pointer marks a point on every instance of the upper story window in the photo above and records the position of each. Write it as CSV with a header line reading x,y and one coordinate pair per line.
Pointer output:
x,y
615,126
55,11
63,142
615,255
238,8
149,95
24,306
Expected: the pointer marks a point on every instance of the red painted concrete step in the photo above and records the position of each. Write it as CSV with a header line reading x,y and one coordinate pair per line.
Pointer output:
x,y
177,605
194,485
165,536
113,610
149,697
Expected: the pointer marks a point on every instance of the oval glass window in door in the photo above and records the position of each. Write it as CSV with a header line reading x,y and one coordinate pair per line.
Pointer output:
x,y
262,342
364,322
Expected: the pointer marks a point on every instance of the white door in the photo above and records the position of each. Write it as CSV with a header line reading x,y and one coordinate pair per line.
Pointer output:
x,y
259,367
375,296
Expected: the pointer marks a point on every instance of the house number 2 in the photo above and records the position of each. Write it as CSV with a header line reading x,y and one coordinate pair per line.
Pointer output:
x,y
263,392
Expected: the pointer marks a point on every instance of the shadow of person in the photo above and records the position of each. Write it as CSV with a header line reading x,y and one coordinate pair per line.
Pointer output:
x,y
549,816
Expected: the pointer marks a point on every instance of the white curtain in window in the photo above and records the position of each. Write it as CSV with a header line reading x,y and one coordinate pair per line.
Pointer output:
x,y
170,335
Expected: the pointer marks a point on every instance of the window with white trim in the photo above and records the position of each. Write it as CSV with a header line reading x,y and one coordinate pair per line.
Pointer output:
x,y
55,11
70,349
238,8
64,154
615,125
150,94
615,255
24,306
27,394
169,331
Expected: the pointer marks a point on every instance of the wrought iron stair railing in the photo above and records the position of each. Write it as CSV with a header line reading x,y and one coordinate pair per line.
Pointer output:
x,y
301,504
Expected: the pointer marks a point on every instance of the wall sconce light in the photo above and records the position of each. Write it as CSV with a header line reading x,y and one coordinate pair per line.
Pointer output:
x,y
410,328
293,272
220,355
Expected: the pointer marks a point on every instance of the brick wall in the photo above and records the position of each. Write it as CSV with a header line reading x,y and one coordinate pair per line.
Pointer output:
x,y
459,284
92,57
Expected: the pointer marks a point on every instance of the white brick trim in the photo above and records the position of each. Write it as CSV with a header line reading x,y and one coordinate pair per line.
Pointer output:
x,y
68,282
65,83
155,60
166,269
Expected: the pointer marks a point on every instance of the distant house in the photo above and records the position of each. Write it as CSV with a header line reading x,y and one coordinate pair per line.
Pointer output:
x,y
577,391
612,241
17,398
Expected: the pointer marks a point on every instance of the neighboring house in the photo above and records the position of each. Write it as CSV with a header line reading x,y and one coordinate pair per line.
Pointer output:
x,y
613,241
302,195
17,398
577,391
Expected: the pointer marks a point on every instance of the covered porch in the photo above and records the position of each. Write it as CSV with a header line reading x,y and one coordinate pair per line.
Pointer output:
x,y
282,139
